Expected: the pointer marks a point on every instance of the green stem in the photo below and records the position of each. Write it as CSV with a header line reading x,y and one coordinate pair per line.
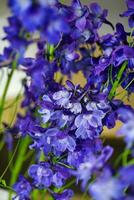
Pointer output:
x,y
126,87
125,157
6,187
10,154
117,81
111,73
6,90
63,164
19,162
50,52
2,143
19,97
67,185
131,162
10,161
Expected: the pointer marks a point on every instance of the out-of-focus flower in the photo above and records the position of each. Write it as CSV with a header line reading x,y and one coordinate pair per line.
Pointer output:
x,y
127,130
106,187
130,12
39,16
92,165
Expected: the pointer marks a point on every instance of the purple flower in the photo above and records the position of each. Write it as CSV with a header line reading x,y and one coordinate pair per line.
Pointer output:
x,y
88,124
62,97
84,150
98,15
23,188
45,114
121,54
126,175
65,195
110,120
65,122
41,174
92,164
128,83
106,187
62,120
58,180
7,57
127,130
126,115
43,17
60,141
130,12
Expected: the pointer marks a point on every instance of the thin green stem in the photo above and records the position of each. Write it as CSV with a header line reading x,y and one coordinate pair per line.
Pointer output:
x,y
126,87
68,185
19,162
118,160
10,160
63,164
111,74
117,81
6,90
14,116
6,187
15,101
10,153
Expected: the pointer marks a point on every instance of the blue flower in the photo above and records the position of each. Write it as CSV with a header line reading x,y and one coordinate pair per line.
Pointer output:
x,y
130,12
58,140
58,179
65,195
45,115
127,130
121,54
62,119
126,175
89,125
41,174
43,17
106,187
92,164
62,97
97,14
86,149
23,188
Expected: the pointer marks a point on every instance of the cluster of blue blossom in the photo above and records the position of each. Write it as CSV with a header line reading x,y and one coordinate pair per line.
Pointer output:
x,y
65,122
